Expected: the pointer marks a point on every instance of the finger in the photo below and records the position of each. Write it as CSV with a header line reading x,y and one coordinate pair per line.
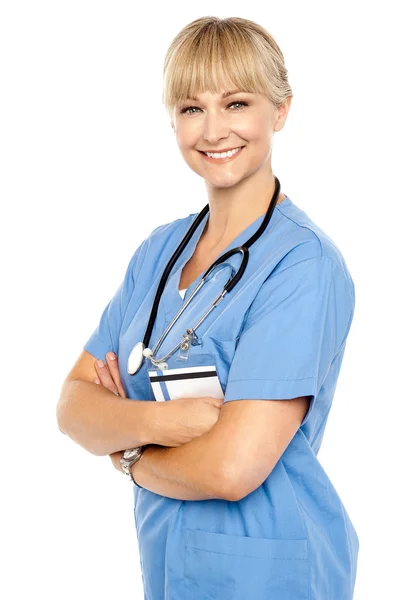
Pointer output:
x,y
104,376
113,366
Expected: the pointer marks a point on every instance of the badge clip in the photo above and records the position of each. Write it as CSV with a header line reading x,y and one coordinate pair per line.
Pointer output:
x,y
189,339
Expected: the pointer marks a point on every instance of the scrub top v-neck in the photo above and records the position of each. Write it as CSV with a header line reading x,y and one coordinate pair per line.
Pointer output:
x,y
281,333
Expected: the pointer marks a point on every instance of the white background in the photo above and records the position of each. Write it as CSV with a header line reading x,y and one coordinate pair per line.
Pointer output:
x,y
89,167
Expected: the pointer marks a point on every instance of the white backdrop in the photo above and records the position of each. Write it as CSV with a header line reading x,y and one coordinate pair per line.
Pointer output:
x,y
89,167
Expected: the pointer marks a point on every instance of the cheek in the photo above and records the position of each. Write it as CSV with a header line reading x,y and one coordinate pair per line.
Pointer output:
x,y
260,140
188,147
254,131
256,127
188,136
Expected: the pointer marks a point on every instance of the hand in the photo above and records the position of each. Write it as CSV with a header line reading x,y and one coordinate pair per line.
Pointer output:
x,y
109,377
190,418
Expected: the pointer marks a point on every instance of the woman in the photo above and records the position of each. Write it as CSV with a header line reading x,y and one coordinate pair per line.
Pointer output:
x,y
231,501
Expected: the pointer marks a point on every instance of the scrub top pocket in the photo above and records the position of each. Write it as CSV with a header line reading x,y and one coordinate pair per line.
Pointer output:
x,y
232,567
223,354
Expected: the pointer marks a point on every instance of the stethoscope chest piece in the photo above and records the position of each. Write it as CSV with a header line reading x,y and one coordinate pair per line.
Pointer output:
x,y
135,358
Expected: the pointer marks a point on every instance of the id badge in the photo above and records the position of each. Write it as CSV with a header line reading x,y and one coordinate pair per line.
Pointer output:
x,y
184,382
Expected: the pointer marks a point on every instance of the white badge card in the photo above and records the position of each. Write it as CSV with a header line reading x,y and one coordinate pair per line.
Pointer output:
x,y
185,382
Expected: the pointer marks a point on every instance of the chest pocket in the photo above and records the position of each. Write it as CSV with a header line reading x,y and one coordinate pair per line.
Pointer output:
x,y
233,567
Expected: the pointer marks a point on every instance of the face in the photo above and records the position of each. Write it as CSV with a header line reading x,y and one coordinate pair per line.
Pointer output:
x,y
242,120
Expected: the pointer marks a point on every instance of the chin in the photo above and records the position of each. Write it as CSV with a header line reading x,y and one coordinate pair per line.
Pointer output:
x,y
223,183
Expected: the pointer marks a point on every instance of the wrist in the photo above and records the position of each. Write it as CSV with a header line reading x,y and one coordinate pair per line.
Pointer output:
x,y
157,427
133,473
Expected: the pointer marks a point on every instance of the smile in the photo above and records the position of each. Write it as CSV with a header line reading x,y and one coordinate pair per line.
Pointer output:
x,y
225,156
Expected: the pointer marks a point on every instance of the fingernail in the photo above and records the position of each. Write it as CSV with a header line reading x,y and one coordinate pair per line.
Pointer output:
x,y
100,363
96,380
111,356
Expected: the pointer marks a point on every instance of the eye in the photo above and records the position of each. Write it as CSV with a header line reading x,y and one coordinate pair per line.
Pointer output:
x,y
184,110
239,102
188,108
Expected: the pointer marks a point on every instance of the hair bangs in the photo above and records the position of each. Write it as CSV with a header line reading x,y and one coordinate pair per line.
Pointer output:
x,y
220,55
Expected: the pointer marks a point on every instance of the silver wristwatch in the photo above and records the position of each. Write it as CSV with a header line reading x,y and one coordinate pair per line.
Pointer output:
x,y
129,458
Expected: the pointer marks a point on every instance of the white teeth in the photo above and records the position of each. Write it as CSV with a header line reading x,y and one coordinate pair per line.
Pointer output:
x,y
222,154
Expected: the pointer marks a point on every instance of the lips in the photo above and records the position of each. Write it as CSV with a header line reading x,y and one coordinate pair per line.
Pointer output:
x,y
220,151
226,159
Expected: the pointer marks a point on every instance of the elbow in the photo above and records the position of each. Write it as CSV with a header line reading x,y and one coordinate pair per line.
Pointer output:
x,y
221,481
234,492
64,408
227,486
214,482
62,431
69,424
240,484
60,418
62,414
76,436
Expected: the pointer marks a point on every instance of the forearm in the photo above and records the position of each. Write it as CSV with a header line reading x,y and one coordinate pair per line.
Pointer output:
x,y
103,423
186,472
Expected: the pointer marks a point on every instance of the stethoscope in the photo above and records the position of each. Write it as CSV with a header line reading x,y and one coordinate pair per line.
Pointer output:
x,y
140,350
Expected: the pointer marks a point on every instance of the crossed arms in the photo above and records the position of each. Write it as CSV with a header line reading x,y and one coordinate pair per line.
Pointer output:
x,y
227,462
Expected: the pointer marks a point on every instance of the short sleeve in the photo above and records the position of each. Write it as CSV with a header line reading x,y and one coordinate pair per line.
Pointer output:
x,y
105,338
294,328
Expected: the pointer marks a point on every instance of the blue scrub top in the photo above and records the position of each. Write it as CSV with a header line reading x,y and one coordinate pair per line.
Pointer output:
x,y
279,334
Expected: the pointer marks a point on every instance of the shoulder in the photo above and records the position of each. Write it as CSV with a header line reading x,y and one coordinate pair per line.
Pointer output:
x,y
305,240
162,232
161,242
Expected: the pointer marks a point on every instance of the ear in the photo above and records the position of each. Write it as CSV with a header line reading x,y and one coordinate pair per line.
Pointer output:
x,y
282,114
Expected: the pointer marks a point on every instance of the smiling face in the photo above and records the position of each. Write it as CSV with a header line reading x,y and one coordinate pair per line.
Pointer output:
x,y
212,122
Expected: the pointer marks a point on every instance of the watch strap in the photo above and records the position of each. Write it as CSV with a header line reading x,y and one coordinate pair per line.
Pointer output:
x,y
129,458
130,469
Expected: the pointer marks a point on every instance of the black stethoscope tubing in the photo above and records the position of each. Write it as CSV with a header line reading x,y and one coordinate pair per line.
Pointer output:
x,y
230,285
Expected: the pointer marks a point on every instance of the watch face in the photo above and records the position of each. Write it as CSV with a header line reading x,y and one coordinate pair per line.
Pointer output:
x,y
130,453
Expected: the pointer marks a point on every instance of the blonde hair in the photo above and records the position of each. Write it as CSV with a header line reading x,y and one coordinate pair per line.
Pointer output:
x,y
211,52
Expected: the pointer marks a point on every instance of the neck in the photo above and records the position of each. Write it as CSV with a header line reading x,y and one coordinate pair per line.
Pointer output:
x,y
233,209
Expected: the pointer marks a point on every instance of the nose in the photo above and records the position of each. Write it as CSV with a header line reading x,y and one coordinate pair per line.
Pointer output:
x,y
216,128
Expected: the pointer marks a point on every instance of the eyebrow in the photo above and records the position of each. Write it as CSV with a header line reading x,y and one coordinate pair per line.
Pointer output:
x,y
225,95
